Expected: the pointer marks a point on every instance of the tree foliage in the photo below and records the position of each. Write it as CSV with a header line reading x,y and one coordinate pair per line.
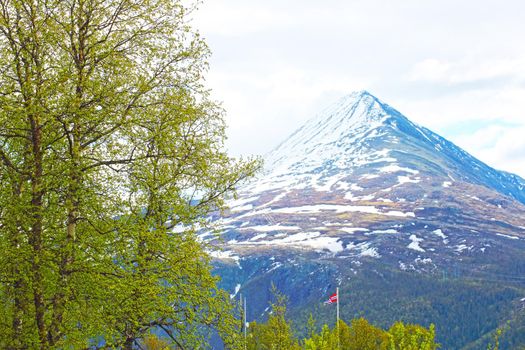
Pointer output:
x,y
411,337
465,313
108,140
361,335
277,333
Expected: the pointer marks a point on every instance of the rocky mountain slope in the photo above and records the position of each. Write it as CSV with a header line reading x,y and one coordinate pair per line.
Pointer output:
x,y
362,198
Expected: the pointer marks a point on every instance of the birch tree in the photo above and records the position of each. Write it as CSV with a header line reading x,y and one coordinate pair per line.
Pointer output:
x,y
108,140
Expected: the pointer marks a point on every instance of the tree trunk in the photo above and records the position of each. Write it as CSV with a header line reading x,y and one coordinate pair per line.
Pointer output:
x,y
37,229
128,345
19,285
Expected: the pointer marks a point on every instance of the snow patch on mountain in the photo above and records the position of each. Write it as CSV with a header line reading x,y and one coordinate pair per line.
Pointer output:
x,y
325,243
245,207
353,229
507,236
396,168
224,254
414,245
269,228
237,288
309,209
439,233
390,231
405,179
259,236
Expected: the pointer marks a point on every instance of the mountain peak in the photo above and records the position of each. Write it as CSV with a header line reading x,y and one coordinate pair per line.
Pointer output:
x,y
359,106
360,97
362,192
355,114
361,134
360,94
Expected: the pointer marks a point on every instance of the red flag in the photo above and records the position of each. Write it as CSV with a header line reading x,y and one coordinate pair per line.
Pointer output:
x,y
332,299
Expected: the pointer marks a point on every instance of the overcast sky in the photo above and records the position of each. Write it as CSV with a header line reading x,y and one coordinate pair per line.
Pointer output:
x,y
456,67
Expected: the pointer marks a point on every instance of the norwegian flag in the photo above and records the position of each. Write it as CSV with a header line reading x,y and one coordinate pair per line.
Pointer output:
x,y
332,299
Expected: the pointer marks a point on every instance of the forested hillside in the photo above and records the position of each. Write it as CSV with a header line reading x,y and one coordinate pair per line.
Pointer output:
x,y
358,334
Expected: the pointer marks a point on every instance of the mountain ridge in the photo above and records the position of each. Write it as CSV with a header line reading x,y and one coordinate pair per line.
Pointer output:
x,y
362,203
361,112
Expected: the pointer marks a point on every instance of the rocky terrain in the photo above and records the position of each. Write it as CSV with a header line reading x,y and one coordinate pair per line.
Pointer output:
x,y
407,224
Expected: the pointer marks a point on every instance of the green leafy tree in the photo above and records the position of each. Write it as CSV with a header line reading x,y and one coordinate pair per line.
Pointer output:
x,y
108,140
411,337
276,333
325,340
497,336
151,342
361,335
311,326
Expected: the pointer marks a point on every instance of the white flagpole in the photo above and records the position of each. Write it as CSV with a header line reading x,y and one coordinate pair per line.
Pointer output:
x,y
338,336
244,323
243,317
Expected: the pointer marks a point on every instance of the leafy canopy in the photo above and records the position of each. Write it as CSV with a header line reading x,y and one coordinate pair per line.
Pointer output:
x,y
108,140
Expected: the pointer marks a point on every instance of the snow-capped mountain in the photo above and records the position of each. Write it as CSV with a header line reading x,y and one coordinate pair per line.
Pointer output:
x,y
361,134
360,187
361,167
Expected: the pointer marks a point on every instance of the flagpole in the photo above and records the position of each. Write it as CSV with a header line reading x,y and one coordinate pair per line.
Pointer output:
x,y
243,317
338,335
244,323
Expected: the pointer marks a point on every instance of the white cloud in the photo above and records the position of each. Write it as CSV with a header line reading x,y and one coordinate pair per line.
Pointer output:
x,y
281,100
447,65
468,70
431,70
503,147
241,18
